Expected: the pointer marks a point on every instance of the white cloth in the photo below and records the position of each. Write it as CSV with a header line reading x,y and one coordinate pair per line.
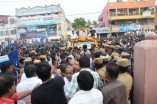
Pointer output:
x,y
93,96
67,84
73,36
38,39
89,35
23,77
85,53
95,35
27,85
50,62
69,44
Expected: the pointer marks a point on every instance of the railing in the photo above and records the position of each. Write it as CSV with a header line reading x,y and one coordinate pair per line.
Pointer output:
x,y
130,17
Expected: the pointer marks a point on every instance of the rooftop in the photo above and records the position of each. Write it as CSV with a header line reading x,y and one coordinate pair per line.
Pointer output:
x,y
114,5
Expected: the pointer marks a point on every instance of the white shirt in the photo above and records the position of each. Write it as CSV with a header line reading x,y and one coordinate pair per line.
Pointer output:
x,y
69,44
95,35
89,35
86,53
67,84
23,77
73,36
27,85
50,62
93,96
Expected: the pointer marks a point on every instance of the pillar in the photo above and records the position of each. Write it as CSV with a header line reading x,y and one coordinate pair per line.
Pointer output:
x,y
139,11
116,12
145,71
128,11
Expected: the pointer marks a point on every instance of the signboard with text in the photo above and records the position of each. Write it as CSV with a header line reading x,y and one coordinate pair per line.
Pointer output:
x,y
36,21
101,30
146,13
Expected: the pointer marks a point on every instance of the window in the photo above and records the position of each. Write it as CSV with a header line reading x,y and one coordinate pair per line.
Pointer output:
x,y
6,33
119,0
1,33
13,32
12,21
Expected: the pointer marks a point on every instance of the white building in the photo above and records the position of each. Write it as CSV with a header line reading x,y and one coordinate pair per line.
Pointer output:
x,y
47,21
8,29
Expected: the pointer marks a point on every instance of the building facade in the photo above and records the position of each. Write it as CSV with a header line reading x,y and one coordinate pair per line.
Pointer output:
x,y
41,22
8,29
128,15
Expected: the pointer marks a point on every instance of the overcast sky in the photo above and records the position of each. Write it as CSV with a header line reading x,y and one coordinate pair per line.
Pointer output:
x,y
71,7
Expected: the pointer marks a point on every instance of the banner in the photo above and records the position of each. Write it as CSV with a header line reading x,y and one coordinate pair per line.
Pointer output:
x,y
4,58
114,28
146,13
125,28
150,27
11,57
36,21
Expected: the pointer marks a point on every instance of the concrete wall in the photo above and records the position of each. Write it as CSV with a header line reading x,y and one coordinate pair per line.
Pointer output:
x,y
145,73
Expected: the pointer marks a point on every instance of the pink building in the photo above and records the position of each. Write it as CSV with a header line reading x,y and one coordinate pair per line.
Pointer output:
x,y
135,13
4,19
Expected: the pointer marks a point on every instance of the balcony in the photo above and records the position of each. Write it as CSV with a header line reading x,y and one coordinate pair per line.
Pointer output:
x,y
100,17
131,13
100,24
130,17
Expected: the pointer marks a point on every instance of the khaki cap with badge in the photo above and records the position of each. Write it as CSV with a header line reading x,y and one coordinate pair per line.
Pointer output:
x,y
33,51
116,58
115,54
112,46
123,62
104,58
43,56
98,61
36,61
125,55
28,59
62,48
109,42
106,45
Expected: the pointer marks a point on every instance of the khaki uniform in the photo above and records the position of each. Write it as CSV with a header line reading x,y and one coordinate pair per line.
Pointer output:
x,y
102,74
127,80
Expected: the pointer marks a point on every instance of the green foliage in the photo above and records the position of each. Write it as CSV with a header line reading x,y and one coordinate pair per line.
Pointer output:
x,y
82,23
88,24
95,24
79,23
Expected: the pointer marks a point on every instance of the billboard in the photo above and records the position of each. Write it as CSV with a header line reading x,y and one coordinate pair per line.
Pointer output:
x,y
126,28
36,21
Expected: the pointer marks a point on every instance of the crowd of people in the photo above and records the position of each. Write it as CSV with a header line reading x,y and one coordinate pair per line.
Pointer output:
x,y
55,74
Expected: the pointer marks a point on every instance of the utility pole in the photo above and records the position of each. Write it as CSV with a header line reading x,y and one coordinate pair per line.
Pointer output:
x,y
7,33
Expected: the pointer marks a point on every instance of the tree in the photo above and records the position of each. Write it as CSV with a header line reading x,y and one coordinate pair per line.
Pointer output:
x,y
79,23
95,24
88,24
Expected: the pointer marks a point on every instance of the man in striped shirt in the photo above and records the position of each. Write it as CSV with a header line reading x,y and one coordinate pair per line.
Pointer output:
x,y
84,63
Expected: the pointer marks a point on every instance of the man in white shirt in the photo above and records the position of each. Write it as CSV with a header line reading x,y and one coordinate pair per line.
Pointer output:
x,y
85,52
49,59
68,76
29,83
73,35
89,33
87,94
